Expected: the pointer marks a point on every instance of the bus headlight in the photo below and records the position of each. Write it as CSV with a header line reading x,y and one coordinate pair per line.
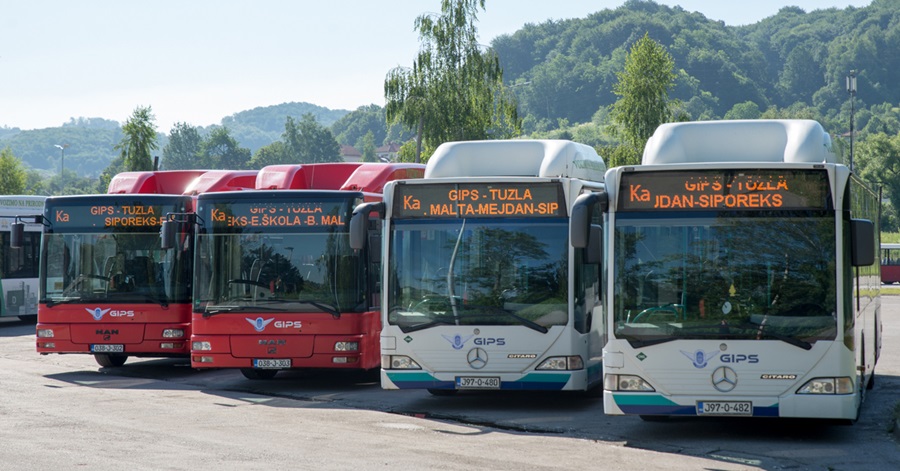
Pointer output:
x,y
346,346
399,362
45,333
841,385
626,383
573,362
173,333
201,346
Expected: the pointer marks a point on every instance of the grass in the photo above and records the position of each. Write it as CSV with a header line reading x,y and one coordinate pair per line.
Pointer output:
x,y
890,237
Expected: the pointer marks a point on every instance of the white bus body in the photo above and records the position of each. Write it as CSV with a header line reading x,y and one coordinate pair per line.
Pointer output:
x,y
737,261
481,288
19,266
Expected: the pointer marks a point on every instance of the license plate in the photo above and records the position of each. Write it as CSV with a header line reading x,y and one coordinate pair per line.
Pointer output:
x,y
267,363
105,348
724,408
478,382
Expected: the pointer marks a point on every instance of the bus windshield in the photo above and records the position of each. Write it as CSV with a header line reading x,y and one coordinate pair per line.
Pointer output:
x,y
763,275
478,272
283,272
113,268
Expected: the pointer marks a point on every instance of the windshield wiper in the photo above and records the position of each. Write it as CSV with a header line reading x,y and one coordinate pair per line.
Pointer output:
x,y
329,308
722,332
525,321
216,310
426,325
761,331
67,300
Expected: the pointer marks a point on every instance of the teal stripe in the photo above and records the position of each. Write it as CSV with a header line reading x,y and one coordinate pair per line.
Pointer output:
x,y
642,400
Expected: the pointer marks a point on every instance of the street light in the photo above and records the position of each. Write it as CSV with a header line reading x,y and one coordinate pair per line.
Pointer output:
x,y
62,166
851,89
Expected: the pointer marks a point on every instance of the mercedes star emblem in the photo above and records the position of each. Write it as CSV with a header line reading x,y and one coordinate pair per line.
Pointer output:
x,y
477,358
724,379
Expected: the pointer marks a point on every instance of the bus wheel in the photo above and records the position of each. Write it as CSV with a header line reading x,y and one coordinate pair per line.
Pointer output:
x,y
442,392
251,373
107,360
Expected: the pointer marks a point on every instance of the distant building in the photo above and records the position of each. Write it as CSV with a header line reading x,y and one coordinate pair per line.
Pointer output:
x,y
350,154
388,153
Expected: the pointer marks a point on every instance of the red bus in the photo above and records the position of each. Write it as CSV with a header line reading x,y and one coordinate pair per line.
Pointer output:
x,y
106,287
277,285
890,263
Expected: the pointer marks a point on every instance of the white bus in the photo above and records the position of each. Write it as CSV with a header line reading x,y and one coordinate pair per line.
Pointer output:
x,y
19,266
742,268
481,287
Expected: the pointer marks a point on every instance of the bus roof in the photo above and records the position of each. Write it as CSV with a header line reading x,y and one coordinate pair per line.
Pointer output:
x,y
516,158
163,182
357,176
759,140
222,180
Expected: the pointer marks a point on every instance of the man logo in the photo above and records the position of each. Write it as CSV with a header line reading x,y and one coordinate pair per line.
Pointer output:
x,y
477,358
724,379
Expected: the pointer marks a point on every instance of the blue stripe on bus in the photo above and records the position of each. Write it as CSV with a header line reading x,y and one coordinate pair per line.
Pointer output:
x,y
531,381
659,405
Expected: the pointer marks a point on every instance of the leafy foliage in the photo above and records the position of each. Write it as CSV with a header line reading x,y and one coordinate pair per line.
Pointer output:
x,y
454,90
643,90
12,174
139,140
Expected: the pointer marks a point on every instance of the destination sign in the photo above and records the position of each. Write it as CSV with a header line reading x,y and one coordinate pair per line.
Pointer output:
x,y
279,214
108,216
762,189
479,200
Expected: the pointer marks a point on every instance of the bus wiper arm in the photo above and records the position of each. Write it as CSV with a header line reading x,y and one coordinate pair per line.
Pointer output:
x,y
333,310
526,322
216,310
761,331
426,325
68,300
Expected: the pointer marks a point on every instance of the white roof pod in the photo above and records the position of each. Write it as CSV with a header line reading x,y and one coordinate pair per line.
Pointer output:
x,y
751,140
516,158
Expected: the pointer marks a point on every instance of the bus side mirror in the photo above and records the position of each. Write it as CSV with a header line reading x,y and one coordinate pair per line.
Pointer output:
x,y
593,253
167,234
16,234
580,225
862,242
359,223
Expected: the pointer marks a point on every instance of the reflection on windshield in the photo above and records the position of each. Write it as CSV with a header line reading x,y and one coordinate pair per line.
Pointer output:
x,y
478,272
739,278
315,272
122,268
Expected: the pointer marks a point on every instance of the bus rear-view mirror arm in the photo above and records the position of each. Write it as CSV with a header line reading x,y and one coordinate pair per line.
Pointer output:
x,y
359,223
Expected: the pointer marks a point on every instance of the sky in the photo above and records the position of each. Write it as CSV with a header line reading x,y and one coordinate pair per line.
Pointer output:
x,y
198,61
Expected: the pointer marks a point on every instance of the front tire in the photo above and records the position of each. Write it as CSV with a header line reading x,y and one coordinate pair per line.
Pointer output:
x,y
108,360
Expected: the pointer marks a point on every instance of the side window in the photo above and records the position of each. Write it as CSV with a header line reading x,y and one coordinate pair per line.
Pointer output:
x,y
587,282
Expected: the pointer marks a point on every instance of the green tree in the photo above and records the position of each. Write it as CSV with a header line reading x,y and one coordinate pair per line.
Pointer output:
x,y
366,146
745,110
221,151
454,90
311,142
643,90
877,159
12,173
183,149
272,154
139,140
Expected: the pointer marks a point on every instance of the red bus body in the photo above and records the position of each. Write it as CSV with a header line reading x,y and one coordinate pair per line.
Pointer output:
x,y
241,319
107,288
890,263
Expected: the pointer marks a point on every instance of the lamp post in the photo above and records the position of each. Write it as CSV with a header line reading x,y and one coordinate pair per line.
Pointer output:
x,y
851,89
62,166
